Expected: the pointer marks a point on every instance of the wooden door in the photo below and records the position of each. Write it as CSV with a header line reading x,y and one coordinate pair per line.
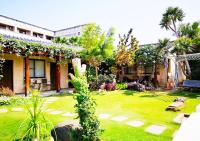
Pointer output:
x,y
53,75
7,80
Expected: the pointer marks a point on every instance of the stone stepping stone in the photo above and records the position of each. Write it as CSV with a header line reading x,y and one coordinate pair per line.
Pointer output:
x,y
48,110
17,109
56,112
136,123
156,129
52,99
180,118
3,110
104,116
119,118
68,114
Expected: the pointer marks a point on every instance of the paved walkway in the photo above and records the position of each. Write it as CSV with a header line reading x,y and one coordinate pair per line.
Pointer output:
x,y
153,129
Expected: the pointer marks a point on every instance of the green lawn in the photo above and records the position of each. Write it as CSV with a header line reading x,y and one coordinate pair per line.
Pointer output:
x,y
146,106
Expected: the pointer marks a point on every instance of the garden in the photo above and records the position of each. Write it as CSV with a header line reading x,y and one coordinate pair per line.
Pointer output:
x,y
118,95
132,105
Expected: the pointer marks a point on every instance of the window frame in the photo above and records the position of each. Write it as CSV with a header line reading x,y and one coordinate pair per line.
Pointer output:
x,y
34,60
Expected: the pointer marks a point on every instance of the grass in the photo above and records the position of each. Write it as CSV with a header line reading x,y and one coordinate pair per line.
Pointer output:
x,y
146,106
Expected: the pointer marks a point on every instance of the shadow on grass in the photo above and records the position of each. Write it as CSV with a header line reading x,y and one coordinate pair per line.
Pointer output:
x,y
129,92
60,95
156,95
185,94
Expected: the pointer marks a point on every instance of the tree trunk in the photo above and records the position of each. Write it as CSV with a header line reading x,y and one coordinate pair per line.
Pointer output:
x,y
155,76
188,73
96,68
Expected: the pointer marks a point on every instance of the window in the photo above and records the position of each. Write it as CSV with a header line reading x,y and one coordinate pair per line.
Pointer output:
x,y
11,28
49,37
37,68
37,35
23,31
2,26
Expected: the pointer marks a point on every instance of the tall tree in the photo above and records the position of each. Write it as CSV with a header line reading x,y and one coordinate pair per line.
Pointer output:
x,y
171,17
127,47
189,30
153,55
73,41
125,55
169,21
97,45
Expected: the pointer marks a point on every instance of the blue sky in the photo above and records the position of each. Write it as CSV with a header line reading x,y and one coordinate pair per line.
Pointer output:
x,y
141,15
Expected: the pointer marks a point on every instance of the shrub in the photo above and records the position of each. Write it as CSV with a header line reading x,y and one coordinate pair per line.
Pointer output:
x,y
110,86
17,100
121,86
37,127
136,86
5,91
85,108
102,78
4,100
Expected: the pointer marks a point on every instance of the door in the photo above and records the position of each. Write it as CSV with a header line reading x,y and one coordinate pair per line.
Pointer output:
x,y
7,80
53,75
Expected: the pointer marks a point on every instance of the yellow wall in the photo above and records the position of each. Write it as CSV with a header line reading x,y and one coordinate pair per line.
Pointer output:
x,y
18,72
162,76
64,76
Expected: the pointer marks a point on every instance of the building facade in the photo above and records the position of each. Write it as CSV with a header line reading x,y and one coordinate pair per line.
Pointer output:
x,y
43,72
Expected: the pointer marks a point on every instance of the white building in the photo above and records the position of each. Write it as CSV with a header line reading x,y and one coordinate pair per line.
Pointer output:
x,y
70,32
16,28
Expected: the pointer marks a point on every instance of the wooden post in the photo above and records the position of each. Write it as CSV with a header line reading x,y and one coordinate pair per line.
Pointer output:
x,y
57,74
27,75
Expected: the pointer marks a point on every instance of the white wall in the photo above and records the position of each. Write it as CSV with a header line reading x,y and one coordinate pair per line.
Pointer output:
x,y
18,24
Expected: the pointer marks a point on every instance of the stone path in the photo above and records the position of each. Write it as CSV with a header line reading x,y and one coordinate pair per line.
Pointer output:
x,y
119,118
50,100
104,116
156,129
17,109
179,118
3,110
48,110
135,123
68,114
55,112
153,129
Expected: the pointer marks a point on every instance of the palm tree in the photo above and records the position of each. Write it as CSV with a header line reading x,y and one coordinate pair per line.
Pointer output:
x,y
169,21
189,30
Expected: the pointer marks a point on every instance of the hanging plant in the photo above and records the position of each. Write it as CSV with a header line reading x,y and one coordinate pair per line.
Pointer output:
x,y
23,48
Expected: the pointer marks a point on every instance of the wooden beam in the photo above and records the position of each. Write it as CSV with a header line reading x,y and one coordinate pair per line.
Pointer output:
x,y
57,74
27,75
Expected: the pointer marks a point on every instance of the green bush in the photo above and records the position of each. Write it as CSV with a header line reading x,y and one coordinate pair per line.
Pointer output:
x,y
17,100
36,126
85,108
4,100
121,86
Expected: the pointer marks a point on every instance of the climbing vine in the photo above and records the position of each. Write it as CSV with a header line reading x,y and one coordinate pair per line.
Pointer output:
x,y
23,48
86,106
1,58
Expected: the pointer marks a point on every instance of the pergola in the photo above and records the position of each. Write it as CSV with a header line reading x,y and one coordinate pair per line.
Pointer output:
x,y
179,58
